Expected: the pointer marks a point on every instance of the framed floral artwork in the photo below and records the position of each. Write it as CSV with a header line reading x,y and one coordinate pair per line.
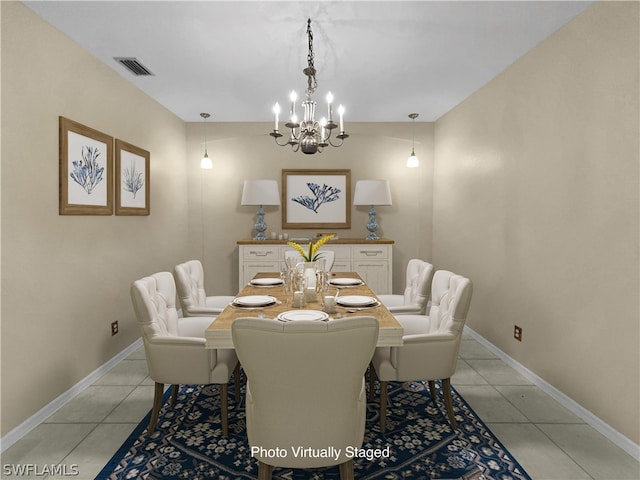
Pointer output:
x,y
132,179
86,170
316,199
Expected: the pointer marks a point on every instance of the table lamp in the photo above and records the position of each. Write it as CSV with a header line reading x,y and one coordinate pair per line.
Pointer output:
x,y
372,192
260,192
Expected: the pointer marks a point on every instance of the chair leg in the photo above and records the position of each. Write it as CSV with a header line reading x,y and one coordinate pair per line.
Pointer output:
x,y
157,403
264,471
224,402
446,390
372,381
236,377
174,393
346,470
432,389
383,406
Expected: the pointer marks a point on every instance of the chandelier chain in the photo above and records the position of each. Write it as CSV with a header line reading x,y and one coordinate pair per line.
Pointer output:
x,y
312,82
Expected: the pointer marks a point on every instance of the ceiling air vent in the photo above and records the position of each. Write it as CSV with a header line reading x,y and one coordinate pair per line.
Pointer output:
x,y
133,65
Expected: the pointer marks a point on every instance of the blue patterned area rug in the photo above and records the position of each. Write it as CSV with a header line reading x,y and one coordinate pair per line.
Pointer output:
x,y
418,444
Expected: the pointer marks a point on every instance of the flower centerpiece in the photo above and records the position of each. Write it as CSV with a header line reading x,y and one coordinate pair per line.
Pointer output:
x,y
311,254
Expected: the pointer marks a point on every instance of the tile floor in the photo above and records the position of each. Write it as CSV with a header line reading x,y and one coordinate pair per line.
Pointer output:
x,y
548,440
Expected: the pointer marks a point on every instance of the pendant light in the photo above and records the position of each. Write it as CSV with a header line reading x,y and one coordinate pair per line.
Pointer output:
x,y
412,161
205,163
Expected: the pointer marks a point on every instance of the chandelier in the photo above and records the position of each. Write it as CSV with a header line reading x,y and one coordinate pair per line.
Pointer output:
x,y
309,135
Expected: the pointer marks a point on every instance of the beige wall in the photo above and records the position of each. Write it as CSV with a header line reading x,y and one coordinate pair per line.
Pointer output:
x,y
66,278
536,199
245,151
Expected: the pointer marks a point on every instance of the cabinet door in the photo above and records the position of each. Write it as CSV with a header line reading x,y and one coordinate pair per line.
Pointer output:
x,y
257,258
375,274
250,269
341,265
342,261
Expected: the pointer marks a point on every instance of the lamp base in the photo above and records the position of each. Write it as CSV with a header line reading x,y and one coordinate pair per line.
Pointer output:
x,y
372,226
260,225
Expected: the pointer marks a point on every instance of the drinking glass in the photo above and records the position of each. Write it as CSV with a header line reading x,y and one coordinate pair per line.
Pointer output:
x,y
298,288
322,276
329,299
286,274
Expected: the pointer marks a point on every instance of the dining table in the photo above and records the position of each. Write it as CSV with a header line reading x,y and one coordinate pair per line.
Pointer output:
x,y
218,334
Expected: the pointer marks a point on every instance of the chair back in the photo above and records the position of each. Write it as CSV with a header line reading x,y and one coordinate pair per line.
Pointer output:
x,y
454,306
439,286
329,257
305,385
418,284
173,356
189,277
154,302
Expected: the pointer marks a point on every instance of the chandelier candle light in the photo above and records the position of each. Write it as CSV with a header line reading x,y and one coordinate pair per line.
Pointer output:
x,y
309,135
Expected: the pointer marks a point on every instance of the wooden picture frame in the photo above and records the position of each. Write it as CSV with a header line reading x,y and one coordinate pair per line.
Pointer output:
x,y
132,179
85,171
316,199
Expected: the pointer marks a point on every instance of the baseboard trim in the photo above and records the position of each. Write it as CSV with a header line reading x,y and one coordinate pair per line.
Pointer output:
x,y
45,412
574,407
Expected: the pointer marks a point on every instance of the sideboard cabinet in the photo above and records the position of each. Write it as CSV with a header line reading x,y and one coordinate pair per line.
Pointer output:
x,y
371,259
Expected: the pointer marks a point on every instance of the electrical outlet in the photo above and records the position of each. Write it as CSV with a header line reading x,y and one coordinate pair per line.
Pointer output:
x,y
517,333
114,328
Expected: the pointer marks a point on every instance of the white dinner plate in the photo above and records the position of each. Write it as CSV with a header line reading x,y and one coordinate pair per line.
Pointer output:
x,y
345,281
254,301
294,315
356,301
266,282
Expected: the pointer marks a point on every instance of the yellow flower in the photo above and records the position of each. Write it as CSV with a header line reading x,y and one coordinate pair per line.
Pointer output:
x,y
311,255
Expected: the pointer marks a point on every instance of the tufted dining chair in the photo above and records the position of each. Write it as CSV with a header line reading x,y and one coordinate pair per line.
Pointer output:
x,y
416,293
305,388
329,257
430,350
418,323
193,299
175,347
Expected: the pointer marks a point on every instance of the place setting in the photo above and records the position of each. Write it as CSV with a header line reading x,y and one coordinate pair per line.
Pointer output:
x,y
266,282
357,302
306,315
254,301
344,282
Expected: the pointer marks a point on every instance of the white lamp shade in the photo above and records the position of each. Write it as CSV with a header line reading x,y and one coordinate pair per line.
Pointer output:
x,y
206,162
412,161
260,192
372,192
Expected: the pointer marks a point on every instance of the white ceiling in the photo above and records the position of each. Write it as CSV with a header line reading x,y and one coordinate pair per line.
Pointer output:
x,y
382,60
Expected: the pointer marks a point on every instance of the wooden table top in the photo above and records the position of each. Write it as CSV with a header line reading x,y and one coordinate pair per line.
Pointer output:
x,y
218,334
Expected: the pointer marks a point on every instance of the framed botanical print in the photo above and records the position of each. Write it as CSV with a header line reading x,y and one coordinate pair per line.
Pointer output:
x,y
85,171
316,199
132,179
